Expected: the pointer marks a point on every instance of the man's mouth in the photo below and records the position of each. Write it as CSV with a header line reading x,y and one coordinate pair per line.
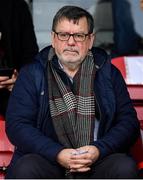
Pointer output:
x,y
71,51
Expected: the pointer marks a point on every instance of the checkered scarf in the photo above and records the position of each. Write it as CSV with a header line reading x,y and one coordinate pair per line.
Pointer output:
x,y
72,112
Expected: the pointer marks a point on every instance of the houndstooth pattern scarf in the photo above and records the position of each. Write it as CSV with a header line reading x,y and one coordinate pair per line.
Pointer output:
x,y
73,112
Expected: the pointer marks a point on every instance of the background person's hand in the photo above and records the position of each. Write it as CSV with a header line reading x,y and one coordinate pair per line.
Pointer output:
x,y
8,83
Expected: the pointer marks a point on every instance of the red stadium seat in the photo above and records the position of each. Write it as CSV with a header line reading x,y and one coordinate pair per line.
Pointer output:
x,y
120,64
6,149
136,93
131,68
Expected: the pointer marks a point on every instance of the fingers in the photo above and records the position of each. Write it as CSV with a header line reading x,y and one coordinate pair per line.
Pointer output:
x,y
80,165
64,157
8,83
80,162
5,80
15,74
10,87
77,160
83,169
79,168
2,80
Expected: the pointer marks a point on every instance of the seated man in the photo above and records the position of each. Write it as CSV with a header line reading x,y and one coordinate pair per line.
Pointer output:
x,y
70,114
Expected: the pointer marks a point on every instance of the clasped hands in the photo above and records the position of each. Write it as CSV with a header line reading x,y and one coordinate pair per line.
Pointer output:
x,y
78,160
8,83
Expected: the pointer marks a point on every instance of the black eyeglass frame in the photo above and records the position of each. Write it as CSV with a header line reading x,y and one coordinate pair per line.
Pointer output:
x,y
74,35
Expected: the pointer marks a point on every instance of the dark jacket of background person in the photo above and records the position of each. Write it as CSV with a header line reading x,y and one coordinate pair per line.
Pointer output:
x,y
125,36
29,124
18,38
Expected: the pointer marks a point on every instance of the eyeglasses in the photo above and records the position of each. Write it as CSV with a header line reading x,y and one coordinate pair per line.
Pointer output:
x,y
78,37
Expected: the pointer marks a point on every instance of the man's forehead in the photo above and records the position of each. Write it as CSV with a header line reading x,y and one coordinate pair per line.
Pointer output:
x,y
74,21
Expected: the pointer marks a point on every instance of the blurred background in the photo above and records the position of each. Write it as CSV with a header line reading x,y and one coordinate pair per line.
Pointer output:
x,y
116,22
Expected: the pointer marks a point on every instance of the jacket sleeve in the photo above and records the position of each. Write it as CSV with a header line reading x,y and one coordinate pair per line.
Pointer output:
x,y
21,119
124,128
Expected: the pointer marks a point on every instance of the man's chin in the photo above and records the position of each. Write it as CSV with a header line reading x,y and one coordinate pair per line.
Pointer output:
x,y
71,59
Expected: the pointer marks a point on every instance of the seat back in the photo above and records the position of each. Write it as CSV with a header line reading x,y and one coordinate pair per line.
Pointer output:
x,y
131,68
6,149
136,94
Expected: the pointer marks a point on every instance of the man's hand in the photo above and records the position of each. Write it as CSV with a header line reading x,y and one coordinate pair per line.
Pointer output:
x,y
8,83
82,161
78,160
64,157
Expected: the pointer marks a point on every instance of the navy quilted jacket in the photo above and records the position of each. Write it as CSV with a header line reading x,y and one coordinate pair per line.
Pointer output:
x,y
28,121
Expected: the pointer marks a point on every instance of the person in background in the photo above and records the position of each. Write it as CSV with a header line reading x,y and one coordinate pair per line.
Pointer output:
x,y
18,43
69,113
141,4
126,39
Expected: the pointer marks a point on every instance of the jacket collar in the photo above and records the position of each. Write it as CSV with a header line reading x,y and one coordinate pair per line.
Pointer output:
x,y
100,56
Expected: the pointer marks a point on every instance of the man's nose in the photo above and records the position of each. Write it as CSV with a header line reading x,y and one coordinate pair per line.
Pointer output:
x,y
71,40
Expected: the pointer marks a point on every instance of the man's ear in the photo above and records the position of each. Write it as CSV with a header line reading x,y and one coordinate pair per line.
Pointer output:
x,y
52,39
92,38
